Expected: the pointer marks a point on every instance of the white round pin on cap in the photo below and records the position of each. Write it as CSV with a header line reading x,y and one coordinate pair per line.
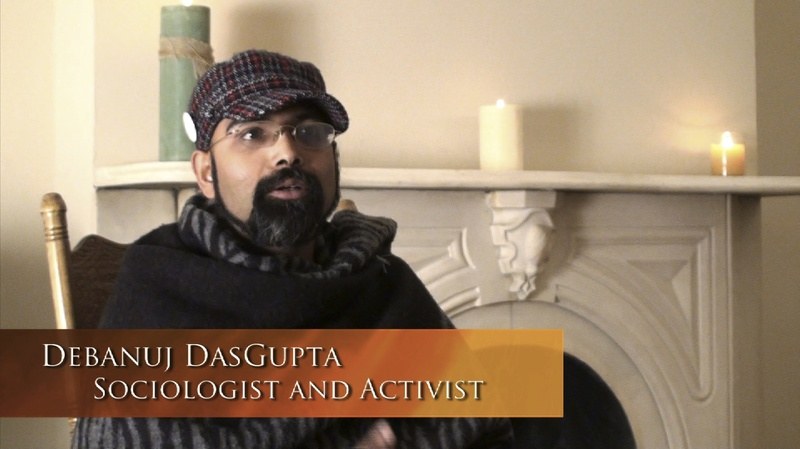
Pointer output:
x,y
188,126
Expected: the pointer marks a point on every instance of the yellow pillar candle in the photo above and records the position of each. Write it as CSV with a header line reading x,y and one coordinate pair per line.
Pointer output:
x,y
501,137
727,157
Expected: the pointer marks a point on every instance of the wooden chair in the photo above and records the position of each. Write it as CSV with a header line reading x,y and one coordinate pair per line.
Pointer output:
x,y
81,279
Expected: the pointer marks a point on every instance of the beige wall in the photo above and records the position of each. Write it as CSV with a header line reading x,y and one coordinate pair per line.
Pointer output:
x,y
26,171
614,86
778,64
26,159
47,133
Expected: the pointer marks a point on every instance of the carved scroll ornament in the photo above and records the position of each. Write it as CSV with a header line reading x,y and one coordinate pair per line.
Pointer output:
x,y
521,229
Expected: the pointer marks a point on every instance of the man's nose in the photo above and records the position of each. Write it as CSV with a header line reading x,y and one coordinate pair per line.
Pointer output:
x,y
284,152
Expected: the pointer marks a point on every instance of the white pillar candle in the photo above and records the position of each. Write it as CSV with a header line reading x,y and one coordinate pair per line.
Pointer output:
x,y
501,137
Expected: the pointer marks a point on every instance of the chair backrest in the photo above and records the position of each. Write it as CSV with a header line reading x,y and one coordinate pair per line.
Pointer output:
x,y
82,279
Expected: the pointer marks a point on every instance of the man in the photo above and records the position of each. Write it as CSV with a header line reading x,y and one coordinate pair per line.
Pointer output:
x,y
253,249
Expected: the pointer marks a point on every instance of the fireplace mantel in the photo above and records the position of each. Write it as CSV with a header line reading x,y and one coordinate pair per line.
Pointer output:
x,y
179,175
655,279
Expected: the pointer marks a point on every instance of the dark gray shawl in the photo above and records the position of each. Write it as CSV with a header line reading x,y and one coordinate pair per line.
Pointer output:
x,y
197,274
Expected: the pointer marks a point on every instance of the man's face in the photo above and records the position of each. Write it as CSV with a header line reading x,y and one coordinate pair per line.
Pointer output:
x,y
277,195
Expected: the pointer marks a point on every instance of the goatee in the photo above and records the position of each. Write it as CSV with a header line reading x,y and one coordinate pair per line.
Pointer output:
x,y
285,223
275,222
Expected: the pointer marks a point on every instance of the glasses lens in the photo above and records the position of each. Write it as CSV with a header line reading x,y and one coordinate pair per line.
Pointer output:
x,y
265,134
256,135
315,135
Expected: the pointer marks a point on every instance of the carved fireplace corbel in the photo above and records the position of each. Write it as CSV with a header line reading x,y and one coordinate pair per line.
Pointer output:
x,y
521,229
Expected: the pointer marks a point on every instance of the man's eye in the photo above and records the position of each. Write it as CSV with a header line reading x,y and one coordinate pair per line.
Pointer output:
x,y
254,134
309,131
315,134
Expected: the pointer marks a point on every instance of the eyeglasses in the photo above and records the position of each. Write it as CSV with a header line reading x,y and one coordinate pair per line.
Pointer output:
x,y
254,135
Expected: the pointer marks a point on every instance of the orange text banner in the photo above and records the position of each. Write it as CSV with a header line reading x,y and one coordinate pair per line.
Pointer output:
x,y
282,373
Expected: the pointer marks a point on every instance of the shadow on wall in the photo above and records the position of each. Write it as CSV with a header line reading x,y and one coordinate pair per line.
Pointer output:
x,y
274,28
551,137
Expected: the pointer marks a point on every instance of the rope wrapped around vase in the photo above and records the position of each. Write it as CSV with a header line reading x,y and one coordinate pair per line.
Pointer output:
x,y
199,52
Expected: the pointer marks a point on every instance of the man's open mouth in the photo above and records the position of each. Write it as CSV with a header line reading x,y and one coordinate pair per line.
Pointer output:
x,y
289,189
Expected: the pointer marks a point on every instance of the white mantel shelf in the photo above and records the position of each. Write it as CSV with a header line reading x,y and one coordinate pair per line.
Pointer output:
x,y
179,175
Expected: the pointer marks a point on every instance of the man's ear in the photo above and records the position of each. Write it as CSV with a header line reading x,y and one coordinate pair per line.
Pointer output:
x,y
201,165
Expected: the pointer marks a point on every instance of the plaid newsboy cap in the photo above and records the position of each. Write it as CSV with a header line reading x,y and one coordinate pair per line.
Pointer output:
x,y
253,84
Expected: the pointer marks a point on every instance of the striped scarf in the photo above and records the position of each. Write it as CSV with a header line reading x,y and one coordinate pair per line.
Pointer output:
x,y
346,244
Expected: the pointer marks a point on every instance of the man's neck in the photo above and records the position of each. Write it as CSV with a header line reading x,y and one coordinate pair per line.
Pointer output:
x,y
304,251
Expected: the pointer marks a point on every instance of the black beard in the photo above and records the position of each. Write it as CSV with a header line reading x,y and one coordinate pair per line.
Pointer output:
x,y
276,223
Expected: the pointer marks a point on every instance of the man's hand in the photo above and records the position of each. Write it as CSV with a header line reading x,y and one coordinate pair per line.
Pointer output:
x,y
379,436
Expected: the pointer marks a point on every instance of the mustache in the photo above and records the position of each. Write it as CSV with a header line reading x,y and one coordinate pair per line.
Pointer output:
x,y
269,183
